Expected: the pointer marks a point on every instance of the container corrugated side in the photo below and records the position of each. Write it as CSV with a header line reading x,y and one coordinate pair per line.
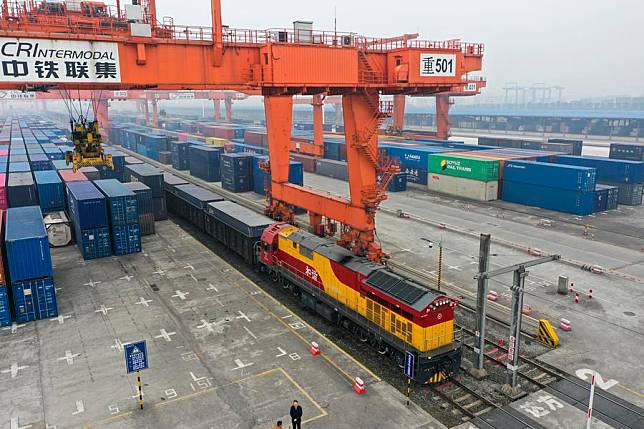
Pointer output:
x,y
465,188
629,194
34,299
94,243
147,174
51,191
121,202
5,310
608,170
126,239
27,244
464,166
562,200
570,177
87,205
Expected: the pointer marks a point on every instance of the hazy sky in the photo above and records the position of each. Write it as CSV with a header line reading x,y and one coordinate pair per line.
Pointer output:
x,y
590,47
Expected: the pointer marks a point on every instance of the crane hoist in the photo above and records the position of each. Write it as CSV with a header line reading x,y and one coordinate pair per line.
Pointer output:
x,y
88,146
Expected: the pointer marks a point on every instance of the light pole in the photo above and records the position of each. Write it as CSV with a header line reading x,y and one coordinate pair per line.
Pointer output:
x,y
439,275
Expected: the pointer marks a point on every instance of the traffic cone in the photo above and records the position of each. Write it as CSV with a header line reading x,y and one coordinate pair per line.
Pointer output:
x,y
358,386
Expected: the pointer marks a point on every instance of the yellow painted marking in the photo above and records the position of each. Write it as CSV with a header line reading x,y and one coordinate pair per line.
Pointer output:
x,y
630,390
271,371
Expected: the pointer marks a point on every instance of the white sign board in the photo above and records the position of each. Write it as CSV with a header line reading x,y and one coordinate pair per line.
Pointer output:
x,y
120,94
436,65
470,87
16,95
181,96
58,61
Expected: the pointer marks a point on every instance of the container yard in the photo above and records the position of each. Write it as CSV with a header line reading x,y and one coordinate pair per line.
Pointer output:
x,y
201,224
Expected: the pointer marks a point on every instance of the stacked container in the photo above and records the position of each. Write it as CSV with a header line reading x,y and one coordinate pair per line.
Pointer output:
x,y
5,310
627,175
51,192
21,190
190,201
463,175
205,163
29,264
612,195
4,202
568,189
88,212
153,178
180,155
627,151
236,172
145,207
124,216
329,168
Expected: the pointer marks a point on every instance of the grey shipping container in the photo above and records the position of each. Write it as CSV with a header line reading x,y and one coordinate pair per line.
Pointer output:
x,y
146,220
330,168
630,194
463,187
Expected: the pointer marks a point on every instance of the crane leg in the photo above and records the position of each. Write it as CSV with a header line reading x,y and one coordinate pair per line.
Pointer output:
x,y
318,130
217,105
399,113
279,120
443,124
103,118
229,109
155,113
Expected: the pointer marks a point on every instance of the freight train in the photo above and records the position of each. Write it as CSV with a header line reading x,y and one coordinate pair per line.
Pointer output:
x,y
394,314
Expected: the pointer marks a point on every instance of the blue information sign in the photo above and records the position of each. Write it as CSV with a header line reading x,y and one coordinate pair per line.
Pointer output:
x,y
136,356
410,365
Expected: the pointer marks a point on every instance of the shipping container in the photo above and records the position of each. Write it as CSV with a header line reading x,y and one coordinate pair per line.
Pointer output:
x,y
19,167
398,183
121,202
68,176
308,162
39,162
237,227
91,173
126,239
61,164
5,310
569,177
170,181
4,202
94,243
329,168
601,200
151,176
562,200
21,190
180,154
165,158
143,197
463,188
146,221
627,151
630,194
51,191
27,244
608,170
204,163
411,157
87,205
236,164
34,299
160,208
464,166
129,160
577,145
612,195
190,202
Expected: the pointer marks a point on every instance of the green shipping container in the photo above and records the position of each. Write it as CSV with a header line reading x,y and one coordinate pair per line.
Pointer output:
x,y
481,169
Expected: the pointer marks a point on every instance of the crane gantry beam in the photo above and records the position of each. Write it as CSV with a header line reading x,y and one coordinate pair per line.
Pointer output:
x,y
115,52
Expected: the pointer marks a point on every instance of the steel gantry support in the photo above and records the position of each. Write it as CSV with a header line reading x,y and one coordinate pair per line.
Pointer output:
x,y
511,389
216,103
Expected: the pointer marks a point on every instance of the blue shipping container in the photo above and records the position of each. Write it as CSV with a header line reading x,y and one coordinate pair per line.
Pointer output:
x,y
51,191
601,200
159,208
121,202
608,170
5,311
24,302
126,239
143,197
61,164
19,167
562,200
34,299
94,243
205,163
27,244
236,164
87,205
39,162
569,177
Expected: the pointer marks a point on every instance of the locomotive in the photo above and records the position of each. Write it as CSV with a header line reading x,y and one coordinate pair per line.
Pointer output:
x,y
395,314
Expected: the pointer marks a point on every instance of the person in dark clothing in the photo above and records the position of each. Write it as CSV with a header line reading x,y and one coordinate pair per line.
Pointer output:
x,y
296,415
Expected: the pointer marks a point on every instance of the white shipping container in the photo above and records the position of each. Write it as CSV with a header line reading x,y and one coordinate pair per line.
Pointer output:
x,y
462,187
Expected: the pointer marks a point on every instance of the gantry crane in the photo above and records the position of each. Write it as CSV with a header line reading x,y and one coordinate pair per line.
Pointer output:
x,y
134,51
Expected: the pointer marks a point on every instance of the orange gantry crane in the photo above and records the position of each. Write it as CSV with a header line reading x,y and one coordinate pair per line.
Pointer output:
x,y
132,50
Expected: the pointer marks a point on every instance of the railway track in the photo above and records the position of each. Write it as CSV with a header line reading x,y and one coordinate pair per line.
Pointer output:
x,y
496,312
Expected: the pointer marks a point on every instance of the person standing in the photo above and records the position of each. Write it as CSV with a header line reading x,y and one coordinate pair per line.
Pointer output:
x,y
296,415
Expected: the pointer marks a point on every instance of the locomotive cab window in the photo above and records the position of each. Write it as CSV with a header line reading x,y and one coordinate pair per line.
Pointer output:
x,y
308,253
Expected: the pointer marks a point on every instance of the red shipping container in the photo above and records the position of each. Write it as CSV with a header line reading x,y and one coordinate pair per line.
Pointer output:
x,y
183,137
3,278
69,176
308,162
4,152
255,137
224,132
3,192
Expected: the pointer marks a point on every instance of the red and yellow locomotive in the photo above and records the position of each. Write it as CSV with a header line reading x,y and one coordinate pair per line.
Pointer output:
x,y
392,312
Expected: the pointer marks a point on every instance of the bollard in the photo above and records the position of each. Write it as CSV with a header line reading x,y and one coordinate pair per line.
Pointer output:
x,y
590,294
577,298
314,349
358,386
564,325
